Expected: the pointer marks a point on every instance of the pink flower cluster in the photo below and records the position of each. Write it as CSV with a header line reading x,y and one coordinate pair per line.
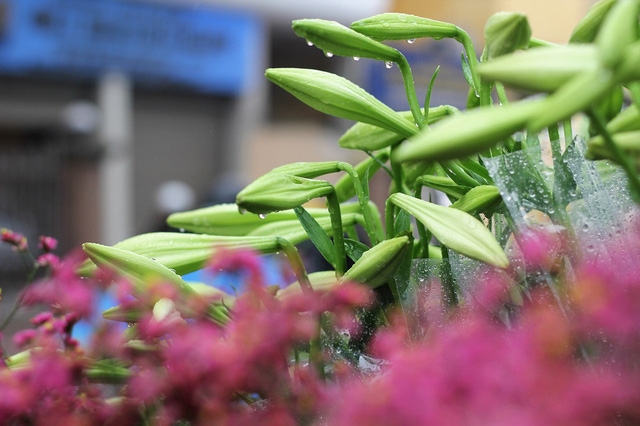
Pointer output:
x,y
564,355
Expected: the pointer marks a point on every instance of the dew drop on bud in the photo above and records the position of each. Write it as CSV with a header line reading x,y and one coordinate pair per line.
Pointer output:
x,y
328,54
356,58
262,216
411,40
309,43
388,64
241,210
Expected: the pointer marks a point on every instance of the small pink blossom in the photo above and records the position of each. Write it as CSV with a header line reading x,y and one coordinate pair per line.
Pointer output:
x,y
47,244
17,240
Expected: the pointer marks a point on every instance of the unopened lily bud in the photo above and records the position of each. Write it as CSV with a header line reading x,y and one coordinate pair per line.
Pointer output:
x,y
587,28
627,120
308,169
225,219
400,26
543,69
185,253
292,230
378,264
628,142
366,137
506,32
336,39
129,314
575,96
140,270
337,96
273,192
618,30
479,199
454,228
321,280
107,371
468,133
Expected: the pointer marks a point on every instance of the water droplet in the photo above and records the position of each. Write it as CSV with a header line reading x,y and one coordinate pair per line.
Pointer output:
x,y
590,247
262,215
411,40
309,43
585,227
356,58
241,210
388,64
181,230
328,54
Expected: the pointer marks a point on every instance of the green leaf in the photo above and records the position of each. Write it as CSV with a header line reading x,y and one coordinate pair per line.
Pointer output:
x,y
466,72
354,248
317,235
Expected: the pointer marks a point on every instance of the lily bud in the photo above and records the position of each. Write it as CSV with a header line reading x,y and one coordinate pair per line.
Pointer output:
x,y
400,26
468,133
587,28
366,137
337,96
506,32
575,96
185,253
454,228
628,142
479,199
627,120
334,38
308,170
378,264
141,270
619,29
321,280
273,192
543,69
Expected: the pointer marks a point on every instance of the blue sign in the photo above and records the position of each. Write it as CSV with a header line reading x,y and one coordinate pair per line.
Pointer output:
x,y
211,50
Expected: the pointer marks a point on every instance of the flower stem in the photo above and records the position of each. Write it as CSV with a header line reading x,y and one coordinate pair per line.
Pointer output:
x,y
333,205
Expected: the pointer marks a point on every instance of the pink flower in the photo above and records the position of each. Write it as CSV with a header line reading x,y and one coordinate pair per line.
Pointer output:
x,y
47,244
17,240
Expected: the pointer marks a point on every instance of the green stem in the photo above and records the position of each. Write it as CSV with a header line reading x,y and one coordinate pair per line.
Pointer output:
x,y
625,161
554,139
296,263
568,133
464,39
333,205
363,200
409,86
459,171
389,217
422,230
502,94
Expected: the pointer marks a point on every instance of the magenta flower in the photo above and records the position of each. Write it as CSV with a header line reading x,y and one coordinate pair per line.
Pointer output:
x,y
17,240
47,244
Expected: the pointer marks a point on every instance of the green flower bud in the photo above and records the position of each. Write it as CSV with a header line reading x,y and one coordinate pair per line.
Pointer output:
x,y
400,26
619,29
337,96
307,170
273,192
575,96
628,142
627,120
454,228
185,253
322,280
107,371
366,137
468,133
334,38
479,199
378,264
506,32
292,230
587,28
225,219
127,314
543,69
